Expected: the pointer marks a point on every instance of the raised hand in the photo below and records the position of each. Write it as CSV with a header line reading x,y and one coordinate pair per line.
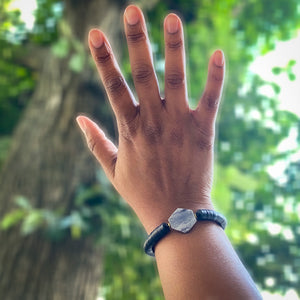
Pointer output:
x,y
164,157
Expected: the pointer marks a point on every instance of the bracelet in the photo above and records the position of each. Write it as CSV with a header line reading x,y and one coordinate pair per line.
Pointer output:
x,y
182,220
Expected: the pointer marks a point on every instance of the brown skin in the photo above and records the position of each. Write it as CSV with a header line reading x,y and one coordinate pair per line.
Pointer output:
x,y
165,158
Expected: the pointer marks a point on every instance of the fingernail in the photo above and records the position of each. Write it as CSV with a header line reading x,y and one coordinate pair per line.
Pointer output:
x,y
132,15
96,38
219,58
172,23
81,123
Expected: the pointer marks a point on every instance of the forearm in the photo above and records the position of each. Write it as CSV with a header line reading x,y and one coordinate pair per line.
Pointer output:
x,y
202,265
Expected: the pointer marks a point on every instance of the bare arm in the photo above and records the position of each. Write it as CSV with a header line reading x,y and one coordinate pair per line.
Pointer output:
x,y
164,159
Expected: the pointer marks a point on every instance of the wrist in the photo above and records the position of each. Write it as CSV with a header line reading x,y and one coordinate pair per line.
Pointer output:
x,y
154,216
182,220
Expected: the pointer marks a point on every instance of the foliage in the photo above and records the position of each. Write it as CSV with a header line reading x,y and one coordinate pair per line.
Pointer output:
x,y
287,69
47,15
99,212
16,81
263,212
82,221
51,223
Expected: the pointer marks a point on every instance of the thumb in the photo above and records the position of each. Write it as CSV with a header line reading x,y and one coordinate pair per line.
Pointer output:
x,y
102,148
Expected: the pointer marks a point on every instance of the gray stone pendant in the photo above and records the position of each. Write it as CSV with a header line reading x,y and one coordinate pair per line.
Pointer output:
x,y
182,220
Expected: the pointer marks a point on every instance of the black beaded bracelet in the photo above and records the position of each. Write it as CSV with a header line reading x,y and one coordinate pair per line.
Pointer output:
x,y
182,220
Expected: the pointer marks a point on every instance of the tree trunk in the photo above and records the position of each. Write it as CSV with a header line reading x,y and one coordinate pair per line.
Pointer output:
x,y
47,162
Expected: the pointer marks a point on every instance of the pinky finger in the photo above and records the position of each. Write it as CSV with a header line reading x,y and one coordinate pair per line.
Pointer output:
x,y
210,100
102,148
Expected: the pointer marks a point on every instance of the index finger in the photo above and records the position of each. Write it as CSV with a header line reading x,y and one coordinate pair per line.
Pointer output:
x,y
119,94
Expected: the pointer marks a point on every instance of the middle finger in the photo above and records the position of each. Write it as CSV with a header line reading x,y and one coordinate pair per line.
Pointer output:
x,y
140,56
175,79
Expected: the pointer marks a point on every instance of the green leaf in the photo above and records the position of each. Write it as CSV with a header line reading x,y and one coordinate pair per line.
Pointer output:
x,y
61,48
276,70
75,222
292,76
276,88
32,222
76,62
66,222
12,218
291,63
23,202
76,232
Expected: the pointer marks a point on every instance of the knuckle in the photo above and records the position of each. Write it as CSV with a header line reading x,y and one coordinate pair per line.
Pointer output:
x,y
142,73
205,140
217,75
175,80
103,58
128,129
103,55
205,133
136,37
211,101
204,144
174,44
92,143
114,84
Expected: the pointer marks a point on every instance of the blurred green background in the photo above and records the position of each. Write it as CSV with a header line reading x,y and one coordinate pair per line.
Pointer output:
x,y
257,171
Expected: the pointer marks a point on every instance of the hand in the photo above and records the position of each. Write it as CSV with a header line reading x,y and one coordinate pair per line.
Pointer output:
x,y
164,159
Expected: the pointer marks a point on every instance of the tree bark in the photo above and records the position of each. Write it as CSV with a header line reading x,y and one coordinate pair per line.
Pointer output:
x,y
47,163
